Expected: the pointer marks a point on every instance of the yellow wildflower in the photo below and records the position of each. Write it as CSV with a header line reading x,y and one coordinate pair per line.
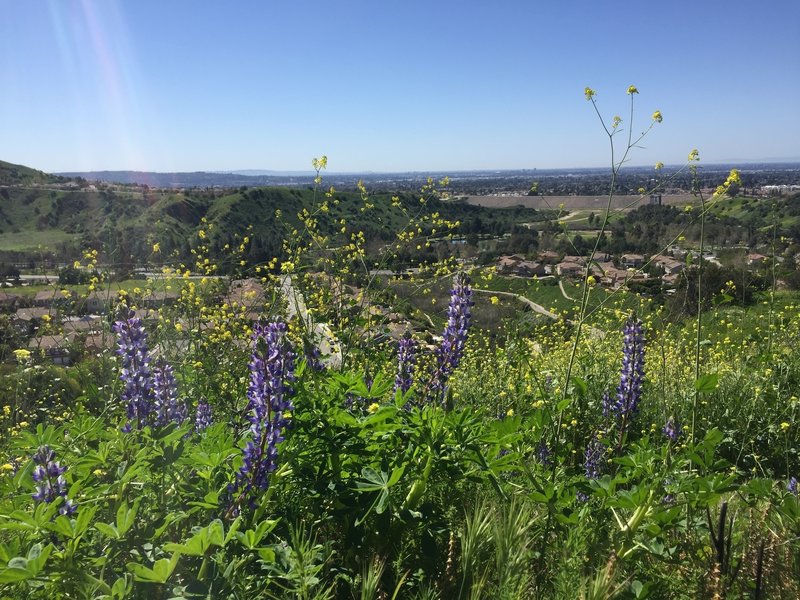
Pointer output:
x,y
22,355
632,89
373,408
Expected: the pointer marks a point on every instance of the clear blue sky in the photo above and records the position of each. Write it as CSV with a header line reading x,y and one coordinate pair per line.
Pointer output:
x,y
389,86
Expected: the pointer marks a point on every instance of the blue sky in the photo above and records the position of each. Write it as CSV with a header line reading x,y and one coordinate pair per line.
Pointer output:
x,y
446,85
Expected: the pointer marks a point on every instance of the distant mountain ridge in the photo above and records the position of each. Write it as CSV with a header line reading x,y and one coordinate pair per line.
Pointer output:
x,y
262,177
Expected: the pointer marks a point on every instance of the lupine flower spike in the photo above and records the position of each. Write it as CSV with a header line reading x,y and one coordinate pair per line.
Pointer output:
x,y
405,364
50,483
269,399
671,430
203,416
165,393
454,338
629,391
135,373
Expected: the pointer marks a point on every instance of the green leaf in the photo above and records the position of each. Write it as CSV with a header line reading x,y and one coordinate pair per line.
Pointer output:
x,y
84,518
107,530
14,575
216,533
266,554
707,383
62,526
160,572
581,385
126,516
18,562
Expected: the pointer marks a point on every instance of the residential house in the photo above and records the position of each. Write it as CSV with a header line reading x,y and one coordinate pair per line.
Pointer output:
x,y
98,302
570,269
98,343
160,298
669,265
35,314
56,348
516,265
632,261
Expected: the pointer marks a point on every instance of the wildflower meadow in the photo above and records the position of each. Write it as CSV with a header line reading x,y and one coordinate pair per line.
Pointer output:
x,y
269,435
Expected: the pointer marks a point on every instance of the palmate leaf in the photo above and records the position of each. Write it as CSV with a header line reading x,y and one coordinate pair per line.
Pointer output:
x,y
374,481
159,573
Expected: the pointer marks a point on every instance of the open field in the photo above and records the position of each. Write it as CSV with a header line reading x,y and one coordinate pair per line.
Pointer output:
x,y
33,239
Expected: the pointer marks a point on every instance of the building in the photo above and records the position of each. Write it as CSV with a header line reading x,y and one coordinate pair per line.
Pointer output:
x,y
632,261
55,348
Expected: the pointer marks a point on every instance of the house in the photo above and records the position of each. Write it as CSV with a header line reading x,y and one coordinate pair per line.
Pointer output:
x,y
668,264
517,265
506,264
549,257
755,259
160,298
97,303
632,261
610,275
575,259
45,298
82,325
97,343
56,348
35,315
570,269
246,292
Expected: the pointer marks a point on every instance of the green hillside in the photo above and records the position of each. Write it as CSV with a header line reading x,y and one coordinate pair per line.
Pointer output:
x,y
11,174
125,221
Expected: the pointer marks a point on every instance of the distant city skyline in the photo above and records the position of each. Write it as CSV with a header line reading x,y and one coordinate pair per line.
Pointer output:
x,y
419,86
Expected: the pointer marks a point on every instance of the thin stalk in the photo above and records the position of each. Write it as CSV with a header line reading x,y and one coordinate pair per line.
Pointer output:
x,y
699,325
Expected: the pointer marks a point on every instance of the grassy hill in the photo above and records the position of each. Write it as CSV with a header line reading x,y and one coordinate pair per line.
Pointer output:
x,y
126,221
11,174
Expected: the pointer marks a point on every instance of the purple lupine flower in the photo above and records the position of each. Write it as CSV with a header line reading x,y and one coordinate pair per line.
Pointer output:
x,y
543,454
671,430
594,458
165,395
629,390
792,486
313,357
406,360
135,373
608,404
269,399
49,478
454,338
203,415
